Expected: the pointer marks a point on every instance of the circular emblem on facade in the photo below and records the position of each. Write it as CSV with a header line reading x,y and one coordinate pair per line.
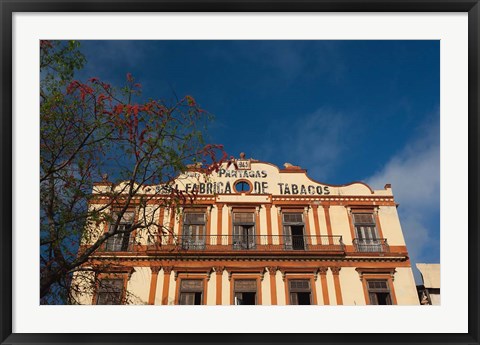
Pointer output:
x,y
242,186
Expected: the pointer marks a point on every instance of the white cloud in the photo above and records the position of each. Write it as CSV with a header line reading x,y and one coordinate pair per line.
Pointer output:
x,y
414,174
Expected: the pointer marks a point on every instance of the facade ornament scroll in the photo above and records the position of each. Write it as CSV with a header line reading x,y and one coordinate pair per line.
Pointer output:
x,y
335,270
155,269
209,273
272,270
129,274
167,269
322,270
219,270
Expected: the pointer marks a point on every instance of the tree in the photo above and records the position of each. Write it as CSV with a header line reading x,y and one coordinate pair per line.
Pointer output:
x,y
90,130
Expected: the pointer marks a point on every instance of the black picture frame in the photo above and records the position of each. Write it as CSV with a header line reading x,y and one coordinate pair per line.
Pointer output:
x,y
9,7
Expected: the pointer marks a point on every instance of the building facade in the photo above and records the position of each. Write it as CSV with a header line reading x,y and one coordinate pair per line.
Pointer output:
x,y
254,234
429,291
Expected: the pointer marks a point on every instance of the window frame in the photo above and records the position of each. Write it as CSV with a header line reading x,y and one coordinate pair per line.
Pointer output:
x,y
124,238
363,242
377,274
288,241
110,276
294,291
374,291
251,238
240,276
295,276
187,235
188,291
183,273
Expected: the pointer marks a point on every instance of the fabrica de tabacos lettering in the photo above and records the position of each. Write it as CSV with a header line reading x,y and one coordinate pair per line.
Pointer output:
x,y
257,187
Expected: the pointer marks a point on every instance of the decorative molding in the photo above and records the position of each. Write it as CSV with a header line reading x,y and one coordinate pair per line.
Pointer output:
x,y
219,270
376,271
189,270
322,270
254,270
272,270
298,270
155,269
335,270
167,269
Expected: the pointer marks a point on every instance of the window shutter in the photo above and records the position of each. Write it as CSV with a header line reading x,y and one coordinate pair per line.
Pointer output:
x,y
241,217
378,285
125,241
237,234
110,291
363,218
127,218
191,285
187,298
293,218
300,285
194,218
293,299
245,285
373,298
238,297
389,299
287,231
251,236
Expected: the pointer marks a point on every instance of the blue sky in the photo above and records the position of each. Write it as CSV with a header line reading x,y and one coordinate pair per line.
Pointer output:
x,y
344,110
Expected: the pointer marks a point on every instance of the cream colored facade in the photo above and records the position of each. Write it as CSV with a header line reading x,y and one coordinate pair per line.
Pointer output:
x,y
430,291
258,234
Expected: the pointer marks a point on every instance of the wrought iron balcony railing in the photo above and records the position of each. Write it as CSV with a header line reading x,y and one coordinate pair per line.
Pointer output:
x,y
249,243
261,243
377,245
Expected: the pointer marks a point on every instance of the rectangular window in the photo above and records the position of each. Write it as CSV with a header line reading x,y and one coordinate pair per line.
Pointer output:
x,y
243,230
120,241
193,236
367,239
300,292
293,228
110,291
191,292
379,292
245,292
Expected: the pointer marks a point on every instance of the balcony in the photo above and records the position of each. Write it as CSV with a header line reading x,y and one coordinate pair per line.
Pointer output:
x,y
248,244
377,245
